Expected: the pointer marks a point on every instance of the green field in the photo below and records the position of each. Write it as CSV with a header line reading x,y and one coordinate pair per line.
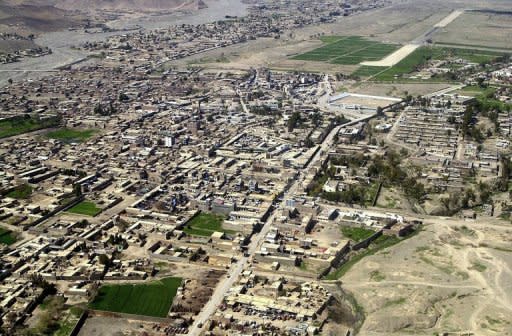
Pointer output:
x,y
348,50
205,224
6,237
419,57
85,208
357,234
148,299
368,71
71,135
20,192
23,124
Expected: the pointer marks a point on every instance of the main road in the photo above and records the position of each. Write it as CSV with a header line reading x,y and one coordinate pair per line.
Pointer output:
x,y
236,269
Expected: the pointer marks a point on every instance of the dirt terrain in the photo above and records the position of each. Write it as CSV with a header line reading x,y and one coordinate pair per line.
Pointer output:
x,y
91,5
27,19
474,28
454,276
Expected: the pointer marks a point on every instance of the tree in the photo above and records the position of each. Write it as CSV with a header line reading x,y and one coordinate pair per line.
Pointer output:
x,y
123,97
104,259
38,281
98,109
293,121
77,189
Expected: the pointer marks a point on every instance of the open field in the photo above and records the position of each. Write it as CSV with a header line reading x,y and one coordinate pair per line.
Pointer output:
x,y
20,192
205,224
85,208
71,135
347,50
454,276
395,25
6,237
478,29
22,124
449,19
149,299
378,244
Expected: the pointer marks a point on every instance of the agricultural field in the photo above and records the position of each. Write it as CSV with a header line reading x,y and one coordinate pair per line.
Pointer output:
x,y
86,208
368,71
205,224
148,299
357,234
6,237
23,124
20,192
71,135
419,57
348,50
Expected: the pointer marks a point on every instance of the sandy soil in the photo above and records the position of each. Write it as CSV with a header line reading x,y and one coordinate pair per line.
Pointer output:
x,y
449,19
397,90
454,276
479,29
395,57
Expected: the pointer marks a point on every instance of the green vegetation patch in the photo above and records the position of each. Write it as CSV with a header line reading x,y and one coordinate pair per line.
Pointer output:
x,y
25,123
347,50
477,90
148,299
368,71
71,135
20,192
66,325
419,57
377,276
395,302
204,224
6,237
478,266
378,244
86,208
357,234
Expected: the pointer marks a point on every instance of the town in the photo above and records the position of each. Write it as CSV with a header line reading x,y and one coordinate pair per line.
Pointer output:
x,y
143,196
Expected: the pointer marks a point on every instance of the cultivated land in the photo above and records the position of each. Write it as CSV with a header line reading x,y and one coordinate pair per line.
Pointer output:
x,y
149,299
347,50
24,124
71,135
20,192
419,57
205,224
452,277
6,237
356,234
85,208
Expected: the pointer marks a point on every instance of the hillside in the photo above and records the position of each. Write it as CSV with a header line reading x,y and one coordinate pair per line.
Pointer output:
x,y
122,5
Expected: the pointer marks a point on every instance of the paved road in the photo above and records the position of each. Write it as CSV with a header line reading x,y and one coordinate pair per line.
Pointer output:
x,y
236,269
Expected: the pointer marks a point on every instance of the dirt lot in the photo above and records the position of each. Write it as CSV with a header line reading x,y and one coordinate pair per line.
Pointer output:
x,y
454,276
197,292
479,29
396,90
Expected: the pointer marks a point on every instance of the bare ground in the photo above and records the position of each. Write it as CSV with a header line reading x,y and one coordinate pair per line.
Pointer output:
x,y
455,276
